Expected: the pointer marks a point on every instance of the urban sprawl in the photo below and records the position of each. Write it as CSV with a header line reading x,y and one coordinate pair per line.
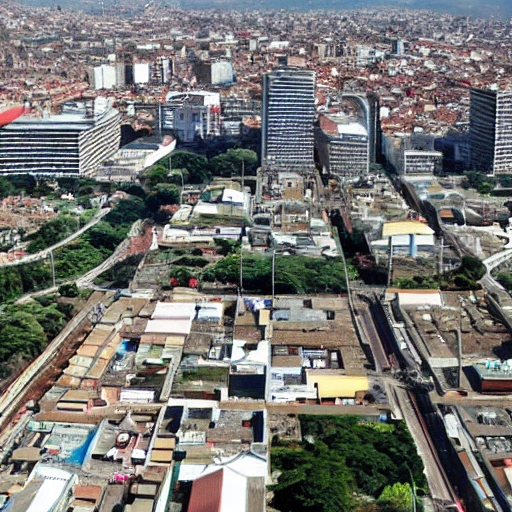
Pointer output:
x,y
254,261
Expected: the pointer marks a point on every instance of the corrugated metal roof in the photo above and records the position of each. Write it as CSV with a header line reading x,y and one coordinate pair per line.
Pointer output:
x,y
67,381
75,371
98,369
87,350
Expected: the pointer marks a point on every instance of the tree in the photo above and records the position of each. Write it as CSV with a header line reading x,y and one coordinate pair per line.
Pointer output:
x,y
479,181
164,194
313,479
223,165
68,290
20,332
25,183
156,174
396,498
105,235
11,286
231,163
472,267
195,165
505,279
52,232
127,211
6,188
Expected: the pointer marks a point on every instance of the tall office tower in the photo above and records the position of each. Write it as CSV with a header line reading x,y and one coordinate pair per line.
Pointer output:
x,y
490,131
287,120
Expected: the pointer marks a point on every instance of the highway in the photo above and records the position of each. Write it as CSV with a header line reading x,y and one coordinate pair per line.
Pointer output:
x,y
45,253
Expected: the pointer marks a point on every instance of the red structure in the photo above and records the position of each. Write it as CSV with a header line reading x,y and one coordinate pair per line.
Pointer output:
x,y
11,114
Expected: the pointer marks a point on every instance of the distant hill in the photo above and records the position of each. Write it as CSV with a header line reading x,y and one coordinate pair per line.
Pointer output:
x,y
496,8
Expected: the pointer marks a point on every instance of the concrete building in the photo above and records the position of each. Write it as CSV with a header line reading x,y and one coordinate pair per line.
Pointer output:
x,y
413,154
287,120
105,77
214,73
343,145
71,143
397,47
490,129
141,73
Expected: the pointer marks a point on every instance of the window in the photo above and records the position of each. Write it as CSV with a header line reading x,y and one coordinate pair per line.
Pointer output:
x,y
330,315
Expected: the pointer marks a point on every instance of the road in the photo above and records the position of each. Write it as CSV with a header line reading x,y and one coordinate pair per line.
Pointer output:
x,y
45,253
86,281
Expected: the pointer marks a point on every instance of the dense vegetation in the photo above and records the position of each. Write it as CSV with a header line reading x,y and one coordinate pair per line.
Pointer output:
x,y
343,459
293,274
485,184
184,167
465,277
83,254
505,279
25,329
51,232
121,274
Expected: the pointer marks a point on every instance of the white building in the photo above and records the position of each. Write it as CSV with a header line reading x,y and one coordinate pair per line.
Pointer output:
x,y
141,73
72,143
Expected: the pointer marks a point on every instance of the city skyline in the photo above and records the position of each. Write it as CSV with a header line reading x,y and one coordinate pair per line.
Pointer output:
x,y
498,8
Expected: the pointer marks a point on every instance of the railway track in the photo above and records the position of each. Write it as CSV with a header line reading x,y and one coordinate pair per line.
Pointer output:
x,y
440,488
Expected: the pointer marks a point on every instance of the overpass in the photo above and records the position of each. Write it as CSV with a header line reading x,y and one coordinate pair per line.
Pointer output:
x,y
498,259
42,255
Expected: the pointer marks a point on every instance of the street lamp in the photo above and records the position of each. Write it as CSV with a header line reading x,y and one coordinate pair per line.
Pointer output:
x,y
413,490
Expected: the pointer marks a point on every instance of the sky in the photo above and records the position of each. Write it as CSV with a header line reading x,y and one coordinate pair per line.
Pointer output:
x,y
497,8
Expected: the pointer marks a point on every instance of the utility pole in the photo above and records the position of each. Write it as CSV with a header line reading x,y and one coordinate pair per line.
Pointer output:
x,y
441,256
390,261
243,175
459,341
53,268
241,267
273,276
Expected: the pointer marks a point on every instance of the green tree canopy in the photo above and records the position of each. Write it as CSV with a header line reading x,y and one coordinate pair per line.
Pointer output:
x,y
293,274
505,279
314,479
396,498
52,232
156,174
105,235
11,285
20,333
163,194
127,211
230,163
479,181
6,188
196,165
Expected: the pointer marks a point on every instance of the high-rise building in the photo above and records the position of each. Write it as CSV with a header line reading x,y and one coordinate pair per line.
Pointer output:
x,y
490,131
72,143
343,145
288,115
218,72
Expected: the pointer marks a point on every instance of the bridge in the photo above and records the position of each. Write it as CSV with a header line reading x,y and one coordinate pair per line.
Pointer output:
x,y
497,259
